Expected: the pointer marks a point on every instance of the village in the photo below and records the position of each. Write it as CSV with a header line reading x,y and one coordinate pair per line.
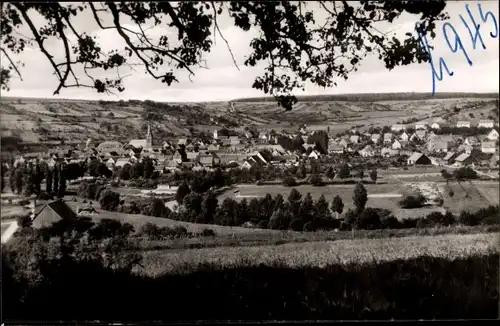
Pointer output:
x,y
417,144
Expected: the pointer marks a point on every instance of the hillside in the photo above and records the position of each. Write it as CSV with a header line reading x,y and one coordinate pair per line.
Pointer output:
x,y
41,120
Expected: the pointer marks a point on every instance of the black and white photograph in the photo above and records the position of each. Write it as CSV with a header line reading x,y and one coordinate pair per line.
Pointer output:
x,y
249,161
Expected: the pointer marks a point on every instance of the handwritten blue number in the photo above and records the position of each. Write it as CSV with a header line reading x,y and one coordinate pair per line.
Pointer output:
x,y
477,34
484,18
458,42
442,64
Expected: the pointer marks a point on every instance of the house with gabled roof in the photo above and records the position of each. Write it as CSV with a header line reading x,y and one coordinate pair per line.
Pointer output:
x,y
314,155
471,140
488,147
486,124
387,137
404,136
335,149
421,134
209,161
344,142
52,212
307,146
464,159
419,159
463,124
192,155
234,140
450,158
367,151
398,127
213,148
435,126
438,146
389,152
420,125
375,137
493,135
354,139
396,145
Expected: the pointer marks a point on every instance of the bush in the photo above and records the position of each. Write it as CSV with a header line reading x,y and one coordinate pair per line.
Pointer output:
x,y
24,221
390,223
369,219
309,226
263,224
316,180
467,218
289,182
24,202
109,200
158,208
410,202
296,224
44,196
207,233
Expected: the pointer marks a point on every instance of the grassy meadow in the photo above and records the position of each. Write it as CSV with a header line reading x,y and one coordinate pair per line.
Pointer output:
x,y
322,253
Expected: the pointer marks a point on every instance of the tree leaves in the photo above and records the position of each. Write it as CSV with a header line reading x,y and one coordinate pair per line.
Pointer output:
x,y
295,49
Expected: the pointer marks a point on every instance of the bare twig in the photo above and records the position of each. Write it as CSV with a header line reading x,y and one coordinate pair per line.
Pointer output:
x,y
14,66
216,26
38,39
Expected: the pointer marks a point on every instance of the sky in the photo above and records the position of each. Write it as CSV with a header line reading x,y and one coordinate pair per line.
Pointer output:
x,y
223,81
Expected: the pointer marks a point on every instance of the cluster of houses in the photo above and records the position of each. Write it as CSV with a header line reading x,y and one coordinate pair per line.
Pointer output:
x,y
423,141
246,151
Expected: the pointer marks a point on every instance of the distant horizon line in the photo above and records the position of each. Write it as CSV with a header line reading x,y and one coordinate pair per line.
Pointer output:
x,y
265,97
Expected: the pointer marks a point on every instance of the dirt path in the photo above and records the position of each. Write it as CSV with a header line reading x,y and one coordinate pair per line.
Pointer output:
x,y
11,229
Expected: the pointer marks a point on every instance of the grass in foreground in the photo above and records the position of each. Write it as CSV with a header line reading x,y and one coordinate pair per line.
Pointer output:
x,y
277,238
321,254
412,288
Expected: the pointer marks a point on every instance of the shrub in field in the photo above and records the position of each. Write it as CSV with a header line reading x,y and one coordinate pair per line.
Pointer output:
x,y
130,208
108,228
44,196
369,219
316,180
154,232
344,172
289,182
296,224
465,173
158,208
208,233
109,200
412,201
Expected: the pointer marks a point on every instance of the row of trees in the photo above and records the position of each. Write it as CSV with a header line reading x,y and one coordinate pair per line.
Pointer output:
x,y
463,173
295,213
27,179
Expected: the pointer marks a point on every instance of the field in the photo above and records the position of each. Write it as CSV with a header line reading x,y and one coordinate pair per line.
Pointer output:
x,y
470,196
379,196
34,120
137,220
491,192
321,254
461,285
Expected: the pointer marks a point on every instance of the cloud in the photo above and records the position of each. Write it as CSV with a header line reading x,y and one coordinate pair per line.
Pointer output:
x,y
223,81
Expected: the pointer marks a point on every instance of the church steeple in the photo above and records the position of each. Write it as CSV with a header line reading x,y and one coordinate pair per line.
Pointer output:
x,y
149,137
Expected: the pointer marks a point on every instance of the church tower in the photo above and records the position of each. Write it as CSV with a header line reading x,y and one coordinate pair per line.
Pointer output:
x,y
149,138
